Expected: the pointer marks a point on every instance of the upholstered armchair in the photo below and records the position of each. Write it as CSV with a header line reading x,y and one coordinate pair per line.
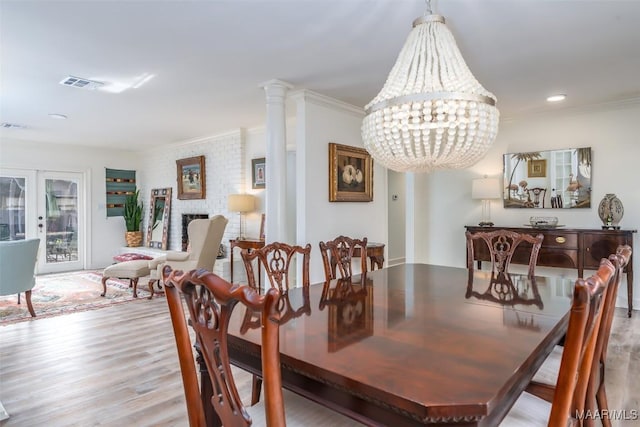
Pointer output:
x,y
205,236
17,265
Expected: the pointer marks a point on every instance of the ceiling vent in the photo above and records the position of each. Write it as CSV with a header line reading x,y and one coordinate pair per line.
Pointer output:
x,y
7,125
81,83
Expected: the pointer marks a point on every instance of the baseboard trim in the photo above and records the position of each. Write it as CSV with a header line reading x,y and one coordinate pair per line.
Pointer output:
x,y
396,261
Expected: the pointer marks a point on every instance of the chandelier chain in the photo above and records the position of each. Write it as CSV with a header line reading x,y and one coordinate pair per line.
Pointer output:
x,y
428,10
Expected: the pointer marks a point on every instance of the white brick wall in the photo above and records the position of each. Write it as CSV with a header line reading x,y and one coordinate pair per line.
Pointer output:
x,y
225,175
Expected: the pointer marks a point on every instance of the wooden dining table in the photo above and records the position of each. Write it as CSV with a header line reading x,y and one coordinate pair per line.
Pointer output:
x,y
415,344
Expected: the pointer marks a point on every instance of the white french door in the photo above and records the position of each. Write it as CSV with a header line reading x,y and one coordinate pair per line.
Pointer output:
x,y
48,206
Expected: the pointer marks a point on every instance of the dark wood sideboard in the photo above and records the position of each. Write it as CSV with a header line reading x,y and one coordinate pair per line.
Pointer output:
x,y
574,248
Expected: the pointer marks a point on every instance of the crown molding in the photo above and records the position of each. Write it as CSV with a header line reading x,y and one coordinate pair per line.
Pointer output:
x,y
239,133
325,101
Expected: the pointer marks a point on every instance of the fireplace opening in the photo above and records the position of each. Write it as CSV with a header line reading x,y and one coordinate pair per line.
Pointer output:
x,y
186,219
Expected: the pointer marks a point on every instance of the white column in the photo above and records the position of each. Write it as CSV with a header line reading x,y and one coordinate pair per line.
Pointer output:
x,y
276,160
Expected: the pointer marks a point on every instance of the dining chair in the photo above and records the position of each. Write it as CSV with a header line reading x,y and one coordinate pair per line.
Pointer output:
x,y
568,403
210,302
620,260
276,258
339,252
502,245
543,382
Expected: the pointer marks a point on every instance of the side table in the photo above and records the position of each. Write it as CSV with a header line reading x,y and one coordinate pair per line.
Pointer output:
x,y
375,253
249,245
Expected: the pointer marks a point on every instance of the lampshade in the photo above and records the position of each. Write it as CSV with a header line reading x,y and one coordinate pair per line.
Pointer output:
x,y
431,113
485,188
241,202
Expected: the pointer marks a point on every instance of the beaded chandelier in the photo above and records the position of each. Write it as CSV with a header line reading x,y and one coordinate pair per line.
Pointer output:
x,y
431,113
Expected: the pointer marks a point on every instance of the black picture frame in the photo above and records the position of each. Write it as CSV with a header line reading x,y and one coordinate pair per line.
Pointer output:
x,y
258,173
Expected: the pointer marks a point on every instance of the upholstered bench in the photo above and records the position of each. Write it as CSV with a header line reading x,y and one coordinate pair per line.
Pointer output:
x,y
132,270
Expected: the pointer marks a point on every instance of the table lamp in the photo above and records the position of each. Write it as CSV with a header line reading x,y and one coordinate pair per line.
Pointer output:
x,y
241,203
485,189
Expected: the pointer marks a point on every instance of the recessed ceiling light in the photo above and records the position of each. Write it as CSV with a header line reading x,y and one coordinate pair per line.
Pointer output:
x,y
556,98
57,116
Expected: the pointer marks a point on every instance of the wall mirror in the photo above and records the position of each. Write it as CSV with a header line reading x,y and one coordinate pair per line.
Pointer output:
x,y
159,215
555,179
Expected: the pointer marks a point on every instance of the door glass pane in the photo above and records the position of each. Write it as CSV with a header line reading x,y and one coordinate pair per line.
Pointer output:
x,y
12,203
62,220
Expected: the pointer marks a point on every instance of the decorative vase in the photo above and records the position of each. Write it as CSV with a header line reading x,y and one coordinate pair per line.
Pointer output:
x,y
133,238
610,211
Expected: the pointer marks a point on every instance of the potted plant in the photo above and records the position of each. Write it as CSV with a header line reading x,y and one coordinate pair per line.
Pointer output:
x,y
132,219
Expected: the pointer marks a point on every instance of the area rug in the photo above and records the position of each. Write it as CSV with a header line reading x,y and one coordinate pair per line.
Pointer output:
x,y
63,293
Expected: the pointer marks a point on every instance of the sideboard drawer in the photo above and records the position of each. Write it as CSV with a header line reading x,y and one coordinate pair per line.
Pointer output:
x,y
558,239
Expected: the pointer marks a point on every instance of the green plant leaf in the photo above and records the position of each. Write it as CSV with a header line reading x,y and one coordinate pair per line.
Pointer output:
x,y
132,211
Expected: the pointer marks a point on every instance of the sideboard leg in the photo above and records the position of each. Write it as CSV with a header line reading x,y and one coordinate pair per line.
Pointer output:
x,y
629,288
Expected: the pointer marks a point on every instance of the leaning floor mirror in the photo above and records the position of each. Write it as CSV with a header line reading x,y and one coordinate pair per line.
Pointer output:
x,y
159,214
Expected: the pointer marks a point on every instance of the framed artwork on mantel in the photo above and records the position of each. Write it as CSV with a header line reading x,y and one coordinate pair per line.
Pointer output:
x,y
191,178
350,174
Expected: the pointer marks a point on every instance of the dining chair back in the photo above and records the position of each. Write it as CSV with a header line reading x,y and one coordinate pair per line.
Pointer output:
x,y
276,258
339,253
502,245
210,301
580,341
596,380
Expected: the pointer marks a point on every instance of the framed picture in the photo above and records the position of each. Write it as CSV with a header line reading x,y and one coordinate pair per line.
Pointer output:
x,y
350,174
258,173
191,178
537,168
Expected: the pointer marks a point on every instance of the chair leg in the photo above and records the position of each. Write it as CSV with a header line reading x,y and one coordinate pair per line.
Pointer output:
x,y
28,298
134,284
601,399
104,286
151,282
256,387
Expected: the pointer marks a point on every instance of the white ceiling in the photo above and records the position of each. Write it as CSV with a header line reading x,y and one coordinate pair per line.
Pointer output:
x,y
209,58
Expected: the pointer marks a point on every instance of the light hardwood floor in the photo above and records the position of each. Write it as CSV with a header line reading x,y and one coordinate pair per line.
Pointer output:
x,y
118,366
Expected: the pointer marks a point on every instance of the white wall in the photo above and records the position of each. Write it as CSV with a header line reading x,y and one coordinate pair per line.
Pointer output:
x,y
225,174
103,234
612,133
321,120
397,212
